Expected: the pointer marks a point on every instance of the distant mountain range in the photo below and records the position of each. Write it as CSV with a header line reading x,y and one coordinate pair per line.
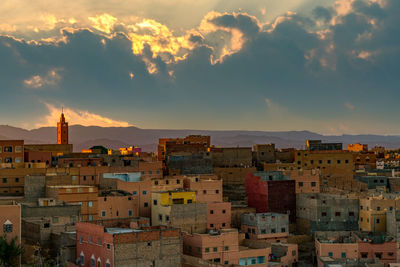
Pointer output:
x,y
115,137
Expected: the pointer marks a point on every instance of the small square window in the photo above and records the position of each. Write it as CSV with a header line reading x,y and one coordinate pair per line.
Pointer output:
x,y
215,249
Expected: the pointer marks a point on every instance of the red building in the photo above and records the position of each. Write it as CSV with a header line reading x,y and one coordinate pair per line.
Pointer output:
x,y
11,151
271,192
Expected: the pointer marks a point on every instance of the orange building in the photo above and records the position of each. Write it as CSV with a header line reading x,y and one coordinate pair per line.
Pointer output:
x,y
82,194
62,131
357,147
10,220
11,151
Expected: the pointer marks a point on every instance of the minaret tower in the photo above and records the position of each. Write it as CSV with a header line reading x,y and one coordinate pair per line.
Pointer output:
x,y
62,130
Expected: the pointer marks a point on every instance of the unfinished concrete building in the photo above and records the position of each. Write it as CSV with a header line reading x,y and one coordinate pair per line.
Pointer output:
x,y
326,212
272,227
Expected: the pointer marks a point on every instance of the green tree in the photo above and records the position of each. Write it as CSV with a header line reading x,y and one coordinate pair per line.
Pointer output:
x,y
10,252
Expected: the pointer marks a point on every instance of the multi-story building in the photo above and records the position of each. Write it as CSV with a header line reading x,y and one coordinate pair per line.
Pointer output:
x,y
335,245
264,153
179,209
85,195
234,181
331,163
271,192
12,181
116,204
377,246
11,151
364,160
326,212
46,217
222,247
130,182
307,181
272,227
10,220
191,143
232,156
285,254
184,163
113,245
373,211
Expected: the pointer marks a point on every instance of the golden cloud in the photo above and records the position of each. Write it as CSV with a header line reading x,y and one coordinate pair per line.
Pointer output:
x,y
104,23
81,117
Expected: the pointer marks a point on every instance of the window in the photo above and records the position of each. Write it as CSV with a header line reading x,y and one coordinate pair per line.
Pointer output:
x,y
156,182
207,250
337,214
55,219
150,172
7,227
134,192
90,239
178,181
90,217
300,184
328,161
73,219
8,149
378,208
298,162
312,161
313,184
346,161
160,217
84,178
320,161
80,240
4,180
18,160
17,180
361,219
167,218
330,254
155,202
92,262
226,262
198,250
283,229
323,214
217,191
364,255
146,204
261,259
82,259
103,213
343,255
130,213
226,248
263,231
144,192
223,224
92,178
338,161
211,225
189,248
211,211
189,201
378,255
273,230
215,249
223,211
108,246
99,241
361,207
351,213
204,191
378,221
90,204
166,181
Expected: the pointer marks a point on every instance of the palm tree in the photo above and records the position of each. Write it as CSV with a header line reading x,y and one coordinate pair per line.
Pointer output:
x,y
10,252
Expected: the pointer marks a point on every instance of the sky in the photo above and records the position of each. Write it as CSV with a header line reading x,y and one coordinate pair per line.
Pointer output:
x,y
328,66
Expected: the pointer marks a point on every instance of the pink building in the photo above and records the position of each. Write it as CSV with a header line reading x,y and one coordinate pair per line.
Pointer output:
x,y
208,187
110,245
335,245
218,215
116,204
223,247
377,246
37,157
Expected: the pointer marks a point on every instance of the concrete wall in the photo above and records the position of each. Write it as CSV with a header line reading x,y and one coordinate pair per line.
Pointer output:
x,y
35,187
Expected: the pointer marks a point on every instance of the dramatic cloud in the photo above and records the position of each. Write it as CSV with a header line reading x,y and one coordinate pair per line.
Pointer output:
x,y
79,117
229,69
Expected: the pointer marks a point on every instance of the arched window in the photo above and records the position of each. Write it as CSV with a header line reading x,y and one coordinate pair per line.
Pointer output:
x,y
82,259
92,261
